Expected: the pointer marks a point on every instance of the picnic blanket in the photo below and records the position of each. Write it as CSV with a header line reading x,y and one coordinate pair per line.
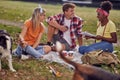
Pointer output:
x,y
54,57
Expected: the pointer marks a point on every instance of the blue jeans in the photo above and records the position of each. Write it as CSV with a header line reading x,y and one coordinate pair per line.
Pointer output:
x,y
37,52
103,45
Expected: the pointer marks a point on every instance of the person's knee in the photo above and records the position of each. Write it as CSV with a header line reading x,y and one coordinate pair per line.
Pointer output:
x,y
82,49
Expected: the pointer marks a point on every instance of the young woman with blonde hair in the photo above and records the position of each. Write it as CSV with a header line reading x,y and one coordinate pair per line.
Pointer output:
x,y
31,34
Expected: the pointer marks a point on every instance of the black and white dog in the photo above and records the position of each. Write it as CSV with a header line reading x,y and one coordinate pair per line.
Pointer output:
x,y
6,49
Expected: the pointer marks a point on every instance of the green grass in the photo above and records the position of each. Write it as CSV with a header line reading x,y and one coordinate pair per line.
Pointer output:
x,y
10,29
20,11
34,69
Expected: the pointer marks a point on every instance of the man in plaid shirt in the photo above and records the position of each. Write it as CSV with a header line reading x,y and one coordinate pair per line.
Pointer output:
x,y
65,28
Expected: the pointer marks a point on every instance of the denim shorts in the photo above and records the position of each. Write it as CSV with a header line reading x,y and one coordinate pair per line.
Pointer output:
x,y
57,37
103,45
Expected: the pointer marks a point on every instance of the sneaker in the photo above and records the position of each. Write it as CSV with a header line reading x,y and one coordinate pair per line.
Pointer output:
x,y
50,44
24,57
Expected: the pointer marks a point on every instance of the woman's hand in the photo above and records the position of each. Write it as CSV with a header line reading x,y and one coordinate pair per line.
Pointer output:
x,y
98,37
87,37
22,42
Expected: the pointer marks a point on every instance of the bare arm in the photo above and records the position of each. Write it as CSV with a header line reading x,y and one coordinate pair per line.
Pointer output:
x,y
80,40
113,38
21,37
56,25
24,30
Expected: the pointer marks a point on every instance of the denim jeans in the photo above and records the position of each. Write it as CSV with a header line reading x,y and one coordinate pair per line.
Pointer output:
x,y
57,37
103,45
37,52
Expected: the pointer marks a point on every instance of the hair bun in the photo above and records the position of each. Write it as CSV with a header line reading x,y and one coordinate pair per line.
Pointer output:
x,y
106,5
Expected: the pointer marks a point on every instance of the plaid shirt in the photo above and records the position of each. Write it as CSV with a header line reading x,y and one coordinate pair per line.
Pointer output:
x,y
75,26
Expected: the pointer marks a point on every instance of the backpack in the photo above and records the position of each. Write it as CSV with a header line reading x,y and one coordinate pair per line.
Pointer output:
x,y
99,57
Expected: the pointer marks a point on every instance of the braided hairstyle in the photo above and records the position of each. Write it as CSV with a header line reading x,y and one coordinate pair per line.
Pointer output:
x,y
106,5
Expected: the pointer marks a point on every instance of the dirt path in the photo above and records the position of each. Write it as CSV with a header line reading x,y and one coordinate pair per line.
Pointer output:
x,y
11,23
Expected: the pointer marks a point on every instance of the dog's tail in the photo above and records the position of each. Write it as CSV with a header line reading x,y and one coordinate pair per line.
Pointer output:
x,y
67,60
59,49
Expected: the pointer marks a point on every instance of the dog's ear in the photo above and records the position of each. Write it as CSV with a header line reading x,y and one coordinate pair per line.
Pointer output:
x,y
3,36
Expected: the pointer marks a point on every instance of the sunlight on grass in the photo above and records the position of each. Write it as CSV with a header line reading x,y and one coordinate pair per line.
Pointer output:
x,y
34,69
20,11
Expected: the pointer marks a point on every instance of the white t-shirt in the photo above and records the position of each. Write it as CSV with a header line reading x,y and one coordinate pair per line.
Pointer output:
x,y
66,34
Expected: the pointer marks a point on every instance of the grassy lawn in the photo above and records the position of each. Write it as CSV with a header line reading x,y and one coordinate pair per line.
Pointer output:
x,y
36,69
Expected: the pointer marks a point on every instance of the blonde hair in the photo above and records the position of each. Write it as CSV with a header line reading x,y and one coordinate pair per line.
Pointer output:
x,y
35,16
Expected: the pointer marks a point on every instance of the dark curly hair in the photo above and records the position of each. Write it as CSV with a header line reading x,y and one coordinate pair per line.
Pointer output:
x,y
106,5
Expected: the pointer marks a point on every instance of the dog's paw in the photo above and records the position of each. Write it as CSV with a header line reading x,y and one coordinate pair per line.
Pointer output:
x,y
13,70
58,46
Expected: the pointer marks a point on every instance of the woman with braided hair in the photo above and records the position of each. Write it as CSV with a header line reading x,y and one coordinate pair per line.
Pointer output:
x,y
106,31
